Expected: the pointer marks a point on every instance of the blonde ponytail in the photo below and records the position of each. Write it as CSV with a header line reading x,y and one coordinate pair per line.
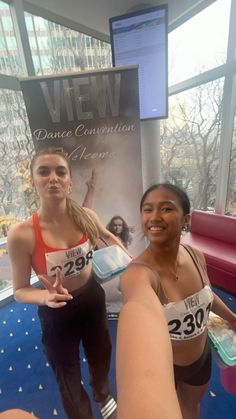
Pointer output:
x,y
82,220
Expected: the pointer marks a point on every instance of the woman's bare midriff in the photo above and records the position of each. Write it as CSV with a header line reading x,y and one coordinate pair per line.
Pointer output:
x,y
78,281
187,352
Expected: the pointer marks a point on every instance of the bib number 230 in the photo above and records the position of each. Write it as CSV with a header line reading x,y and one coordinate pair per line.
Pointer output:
x,y
73,267
191,322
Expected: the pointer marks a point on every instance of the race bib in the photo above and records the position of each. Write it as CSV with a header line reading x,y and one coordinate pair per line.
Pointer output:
x,y
70,261
188,318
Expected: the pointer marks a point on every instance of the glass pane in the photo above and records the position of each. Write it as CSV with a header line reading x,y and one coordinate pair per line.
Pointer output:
x,y
57,49
17,197
190,142
5,280
16,146
10,62
231,196
197,46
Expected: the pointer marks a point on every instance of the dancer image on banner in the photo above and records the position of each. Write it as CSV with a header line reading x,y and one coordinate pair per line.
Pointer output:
x,y
57,243
91,184
116,225
175,275
120,229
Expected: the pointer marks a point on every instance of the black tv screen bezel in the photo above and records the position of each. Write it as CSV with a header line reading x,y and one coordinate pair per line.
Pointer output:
x,y
138,13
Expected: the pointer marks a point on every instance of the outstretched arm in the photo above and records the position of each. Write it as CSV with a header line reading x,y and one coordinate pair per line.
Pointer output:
x,y
144,362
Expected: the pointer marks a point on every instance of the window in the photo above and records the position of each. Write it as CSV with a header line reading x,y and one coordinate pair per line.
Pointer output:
x,y
190,138
190,142
7,23
11,43
54,48
200,43
16,147
231,197
17,198
8,45
58,44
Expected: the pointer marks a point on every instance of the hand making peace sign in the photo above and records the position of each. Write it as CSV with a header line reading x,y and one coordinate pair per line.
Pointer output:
x,y
57,295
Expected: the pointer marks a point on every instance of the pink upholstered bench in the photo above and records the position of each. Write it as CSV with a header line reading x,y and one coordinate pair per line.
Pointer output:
x,y
215,235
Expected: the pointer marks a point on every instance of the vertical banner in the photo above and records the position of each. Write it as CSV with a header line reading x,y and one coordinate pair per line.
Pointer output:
x,y
94,117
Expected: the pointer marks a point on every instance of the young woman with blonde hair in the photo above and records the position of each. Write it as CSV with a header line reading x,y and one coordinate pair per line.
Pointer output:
x,y
57,243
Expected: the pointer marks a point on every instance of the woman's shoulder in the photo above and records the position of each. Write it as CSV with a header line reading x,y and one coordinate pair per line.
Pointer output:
x,y
92,214
141,262
197,257
195,251
21,232
141,268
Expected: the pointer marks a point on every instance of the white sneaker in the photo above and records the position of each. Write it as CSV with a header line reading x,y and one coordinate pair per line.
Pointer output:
x,y
108,408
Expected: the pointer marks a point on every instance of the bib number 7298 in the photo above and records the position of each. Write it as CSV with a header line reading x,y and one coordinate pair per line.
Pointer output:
x,y
74,266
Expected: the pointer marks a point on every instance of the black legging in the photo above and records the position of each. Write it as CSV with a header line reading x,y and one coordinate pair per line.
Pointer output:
x,y
82,319
199,372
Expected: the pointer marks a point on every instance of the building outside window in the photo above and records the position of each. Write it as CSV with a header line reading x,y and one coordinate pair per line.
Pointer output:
x,y
10,62
55,42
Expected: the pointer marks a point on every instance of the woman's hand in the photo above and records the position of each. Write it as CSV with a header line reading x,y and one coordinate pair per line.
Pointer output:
x,y
57,295
91,183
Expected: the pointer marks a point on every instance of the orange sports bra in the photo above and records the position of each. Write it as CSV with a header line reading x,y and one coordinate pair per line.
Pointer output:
x,y
38,258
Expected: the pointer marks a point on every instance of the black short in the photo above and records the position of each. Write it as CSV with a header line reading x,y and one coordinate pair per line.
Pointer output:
x,y
199,372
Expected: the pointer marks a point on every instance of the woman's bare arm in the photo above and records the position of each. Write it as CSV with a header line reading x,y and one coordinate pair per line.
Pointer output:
x,y
144,362
91,184
221,309
19,249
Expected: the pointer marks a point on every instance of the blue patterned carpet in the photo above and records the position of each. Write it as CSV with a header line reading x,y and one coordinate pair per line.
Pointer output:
x,y
27,382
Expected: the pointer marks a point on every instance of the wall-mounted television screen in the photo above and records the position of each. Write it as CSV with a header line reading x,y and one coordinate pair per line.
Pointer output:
x,y
141,38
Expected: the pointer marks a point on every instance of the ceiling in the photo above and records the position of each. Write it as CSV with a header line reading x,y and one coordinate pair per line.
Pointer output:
x,y
95,14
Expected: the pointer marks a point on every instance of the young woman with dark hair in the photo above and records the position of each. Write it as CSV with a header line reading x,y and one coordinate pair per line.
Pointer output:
x,y
174,275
